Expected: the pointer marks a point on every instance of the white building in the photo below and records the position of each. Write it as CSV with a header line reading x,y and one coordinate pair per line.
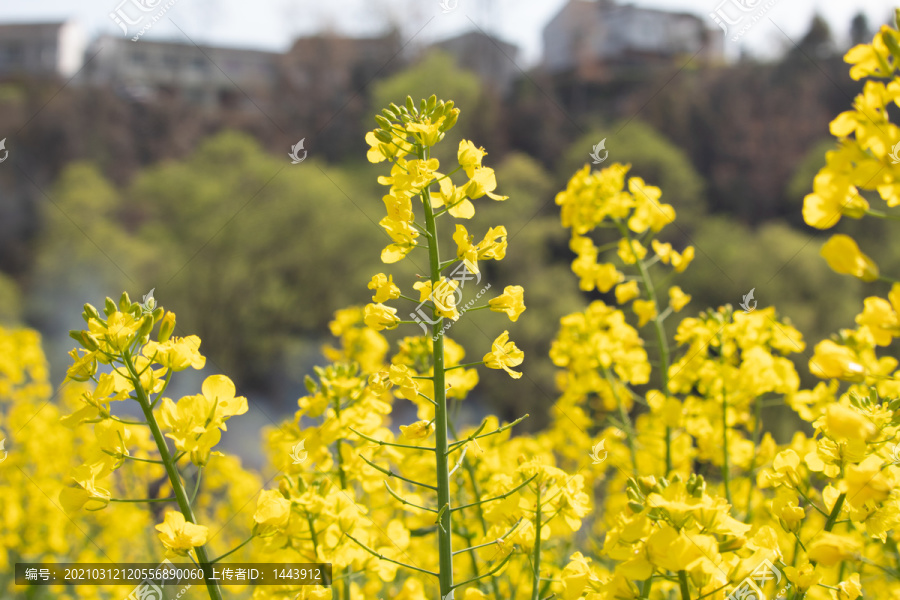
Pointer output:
x,y
586,37
204,75
42,49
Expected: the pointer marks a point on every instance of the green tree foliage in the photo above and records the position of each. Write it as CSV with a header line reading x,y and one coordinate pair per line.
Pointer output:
x,y
240,232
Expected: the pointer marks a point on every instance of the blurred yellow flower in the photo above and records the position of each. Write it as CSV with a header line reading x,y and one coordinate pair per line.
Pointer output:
x,y
845,257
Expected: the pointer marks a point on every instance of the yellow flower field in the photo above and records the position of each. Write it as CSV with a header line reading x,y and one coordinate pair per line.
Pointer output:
x,y
654,477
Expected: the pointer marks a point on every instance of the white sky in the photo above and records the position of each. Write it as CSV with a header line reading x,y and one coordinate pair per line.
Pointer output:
x,y
271,24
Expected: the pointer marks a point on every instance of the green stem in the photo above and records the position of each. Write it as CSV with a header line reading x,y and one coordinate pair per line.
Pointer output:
x,y
141,499
661,339
174,478
835,512
536,580
829,524
725,466
683,583
445,529
757,430
235,549
345,589
626,421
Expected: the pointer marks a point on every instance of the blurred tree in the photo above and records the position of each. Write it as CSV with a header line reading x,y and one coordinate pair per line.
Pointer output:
x,y
253,252
860,32
817,43
10,301
81,254
801,183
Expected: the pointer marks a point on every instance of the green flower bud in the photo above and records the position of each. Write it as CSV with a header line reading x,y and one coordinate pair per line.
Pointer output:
x,y
125,302
90,313
166,327
383,123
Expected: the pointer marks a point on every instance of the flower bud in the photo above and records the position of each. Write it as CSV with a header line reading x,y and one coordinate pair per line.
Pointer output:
x,y
90,313
383,123
110,306
145,327
125,302
166,327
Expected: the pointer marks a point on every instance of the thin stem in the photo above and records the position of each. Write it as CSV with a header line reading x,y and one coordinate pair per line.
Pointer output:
x,y
392,444
626,422
197,485
726,470
383,557
390,473
661,339
404,501
474,437
174,478
146,460
235,549
142,499
536,579
463,366
499,497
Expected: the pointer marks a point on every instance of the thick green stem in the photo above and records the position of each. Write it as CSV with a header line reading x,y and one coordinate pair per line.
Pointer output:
x,y
536,581
181,496
445,546
683,584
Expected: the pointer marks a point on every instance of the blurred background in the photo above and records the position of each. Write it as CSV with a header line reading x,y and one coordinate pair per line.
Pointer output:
x,y
146,145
